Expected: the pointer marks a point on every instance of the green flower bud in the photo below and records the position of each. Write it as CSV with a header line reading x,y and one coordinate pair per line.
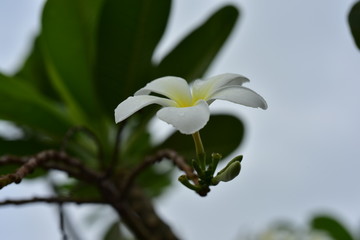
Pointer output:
x,y
185,181
228,173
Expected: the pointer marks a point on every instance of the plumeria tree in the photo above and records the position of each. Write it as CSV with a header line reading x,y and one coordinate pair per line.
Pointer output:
x,y
94,59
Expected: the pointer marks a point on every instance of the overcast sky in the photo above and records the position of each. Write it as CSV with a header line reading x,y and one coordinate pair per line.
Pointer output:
x,y
301,156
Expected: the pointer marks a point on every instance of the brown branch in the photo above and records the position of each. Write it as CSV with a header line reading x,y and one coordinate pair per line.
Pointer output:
x,y
49,159
172,155
10,159
110,192
57,200
26,168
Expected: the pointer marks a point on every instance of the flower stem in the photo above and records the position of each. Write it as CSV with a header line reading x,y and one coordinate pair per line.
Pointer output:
x,y
200,153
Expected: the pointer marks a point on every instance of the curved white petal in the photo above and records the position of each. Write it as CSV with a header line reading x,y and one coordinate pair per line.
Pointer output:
x,y
203,89
241,95
132,104
172,87
187,120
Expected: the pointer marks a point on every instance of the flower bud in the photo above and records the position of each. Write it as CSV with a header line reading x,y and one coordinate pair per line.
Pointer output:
x,y
228,173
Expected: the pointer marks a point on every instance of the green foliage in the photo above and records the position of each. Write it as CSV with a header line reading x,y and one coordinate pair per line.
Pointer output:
x,y
155,180
193,55
332,227
354,21
114,233
34,71
27,146
129,31
223,134
67,51
22,104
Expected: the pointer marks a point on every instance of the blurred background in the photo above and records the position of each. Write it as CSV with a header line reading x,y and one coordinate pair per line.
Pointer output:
x,y
301,156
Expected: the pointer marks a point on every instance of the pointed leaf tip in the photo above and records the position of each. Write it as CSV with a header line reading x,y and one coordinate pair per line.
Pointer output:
x,y
193,55
354,22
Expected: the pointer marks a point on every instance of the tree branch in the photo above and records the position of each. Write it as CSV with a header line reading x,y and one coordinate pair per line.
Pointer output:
x,y
61,221
111,192
26,168
57,200
49,159
172,155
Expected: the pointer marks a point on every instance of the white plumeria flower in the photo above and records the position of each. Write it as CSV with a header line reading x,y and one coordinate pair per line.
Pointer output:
x,y
185,106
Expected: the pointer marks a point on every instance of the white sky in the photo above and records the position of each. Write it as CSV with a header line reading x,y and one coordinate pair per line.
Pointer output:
x,y
301,155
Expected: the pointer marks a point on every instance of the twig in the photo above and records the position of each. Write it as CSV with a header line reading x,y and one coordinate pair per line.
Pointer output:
x,y
10,159
57,200
26,168
61,221
71,228
172,155
49,159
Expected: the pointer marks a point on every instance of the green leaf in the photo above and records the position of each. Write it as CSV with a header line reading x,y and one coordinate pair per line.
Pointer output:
x,y
22,147
136,145
155,182
194,54
354,21
332,227
129,31
22,104
222,134
34,72
68,48
113,232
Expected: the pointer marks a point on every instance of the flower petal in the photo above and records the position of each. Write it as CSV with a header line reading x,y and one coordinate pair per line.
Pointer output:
x,y
187,120
241,95
132,104
203,89
174,88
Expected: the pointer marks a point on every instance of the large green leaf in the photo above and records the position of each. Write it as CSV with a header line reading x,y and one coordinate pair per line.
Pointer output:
x,y
129,31
21,147
68,48
354,21
22,104
113,232
155,181
222,134
34,71
194,54
332,227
